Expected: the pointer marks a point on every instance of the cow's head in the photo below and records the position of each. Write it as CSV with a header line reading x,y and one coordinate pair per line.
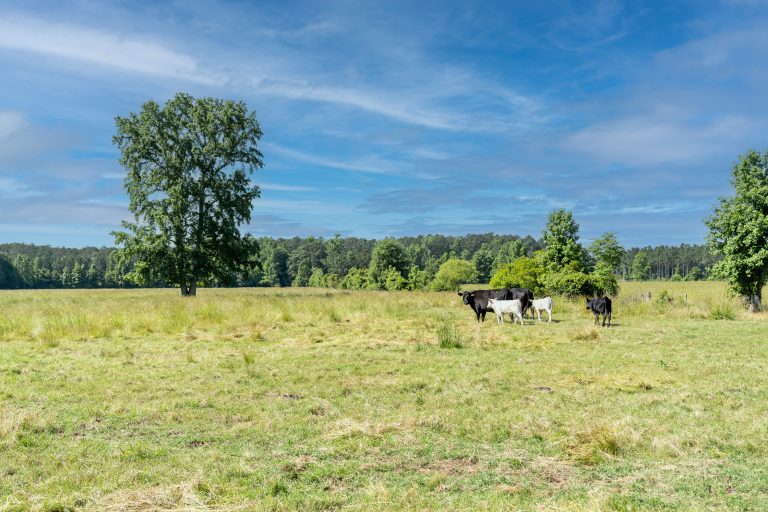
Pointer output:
x,y
589,303
468,297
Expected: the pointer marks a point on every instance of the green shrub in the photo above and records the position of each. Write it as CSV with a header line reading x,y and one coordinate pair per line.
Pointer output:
x,y
602,281
393,280
453,273
317,279
521,273
569,283
417,279
356,279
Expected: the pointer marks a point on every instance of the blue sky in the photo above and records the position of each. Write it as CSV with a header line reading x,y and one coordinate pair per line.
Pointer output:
x,y
396,118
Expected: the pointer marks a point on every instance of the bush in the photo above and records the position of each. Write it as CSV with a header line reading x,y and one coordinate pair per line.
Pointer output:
x,y
569,283
356,279
521,273
603,281
417,279
452,273
317,279
393,280
332,281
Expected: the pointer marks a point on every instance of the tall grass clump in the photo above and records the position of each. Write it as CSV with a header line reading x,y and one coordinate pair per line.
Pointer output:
x,y
720,310
448,333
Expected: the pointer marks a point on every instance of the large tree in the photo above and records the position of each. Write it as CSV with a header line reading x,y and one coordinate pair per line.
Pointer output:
x,y
188,165
738,229
607,251
561,240
641,268
387,253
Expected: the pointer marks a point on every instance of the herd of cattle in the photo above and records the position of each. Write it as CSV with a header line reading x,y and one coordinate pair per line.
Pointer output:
x,y
516,301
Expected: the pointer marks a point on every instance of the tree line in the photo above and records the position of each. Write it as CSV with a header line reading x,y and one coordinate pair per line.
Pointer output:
x,y
311,261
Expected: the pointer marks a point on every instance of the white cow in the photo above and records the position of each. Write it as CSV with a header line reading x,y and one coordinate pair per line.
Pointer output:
x,y
544,304
513,307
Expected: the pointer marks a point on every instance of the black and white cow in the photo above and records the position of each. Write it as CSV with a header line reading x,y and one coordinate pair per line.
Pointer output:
x,y
478,299
600,306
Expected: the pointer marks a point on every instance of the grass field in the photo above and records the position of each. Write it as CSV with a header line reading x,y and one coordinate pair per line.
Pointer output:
x,y
254,399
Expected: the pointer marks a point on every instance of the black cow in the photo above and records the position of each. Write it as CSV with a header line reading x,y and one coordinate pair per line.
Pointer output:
x,y
478,299
600,306
524,295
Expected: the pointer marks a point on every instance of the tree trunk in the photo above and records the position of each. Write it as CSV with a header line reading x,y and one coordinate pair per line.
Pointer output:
x,y
193,288
184,290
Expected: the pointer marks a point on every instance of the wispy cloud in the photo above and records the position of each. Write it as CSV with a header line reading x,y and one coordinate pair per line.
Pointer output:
x,y
285,188
13,188
370,165
115,50
657,139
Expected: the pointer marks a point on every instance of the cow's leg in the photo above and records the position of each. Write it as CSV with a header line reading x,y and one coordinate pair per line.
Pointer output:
x,y
609,319
604,316
549,313
597,317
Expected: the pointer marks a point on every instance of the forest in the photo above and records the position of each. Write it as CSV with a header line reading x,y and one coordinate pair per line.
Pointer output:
x,y
325,262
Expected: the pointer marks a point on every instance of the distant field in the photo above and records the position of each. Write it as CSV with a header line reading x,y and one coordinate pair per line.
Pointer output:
x,y
307,399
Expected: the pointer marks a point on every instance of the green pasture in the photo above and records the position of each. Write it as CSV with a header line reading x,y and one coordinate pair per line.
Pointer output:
x,y
313,399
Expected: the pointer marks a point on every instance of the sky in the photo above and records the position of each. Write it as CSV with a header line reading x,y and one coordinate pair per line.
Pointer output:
x,y
395,118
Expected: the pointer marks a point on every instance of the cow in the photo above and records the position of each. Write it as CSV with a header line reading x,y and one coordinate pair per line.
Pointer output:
x,y
545,304
478,300
600,306
524,295
513,307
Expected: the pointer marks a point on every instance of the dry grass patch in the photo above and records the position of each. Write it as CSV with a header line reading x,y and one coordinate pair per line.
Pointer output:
x,y
188,497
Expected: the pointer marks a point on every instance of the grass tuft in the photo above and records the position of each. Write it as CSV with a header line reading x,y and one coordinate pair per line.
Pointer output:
x,y
720,311
448,333
589,334
595,445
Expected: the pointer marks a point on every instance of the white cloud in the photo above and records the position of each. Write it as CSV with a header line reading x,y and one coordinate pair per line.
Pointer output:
x,y
284,188
370,165
98,47
657,139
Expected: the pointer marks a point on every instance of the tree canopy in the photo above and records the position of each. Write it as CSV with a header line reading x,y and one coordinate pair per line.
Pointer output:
x,y
607,250
188,166
387,253
641,268
738,229
561,240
